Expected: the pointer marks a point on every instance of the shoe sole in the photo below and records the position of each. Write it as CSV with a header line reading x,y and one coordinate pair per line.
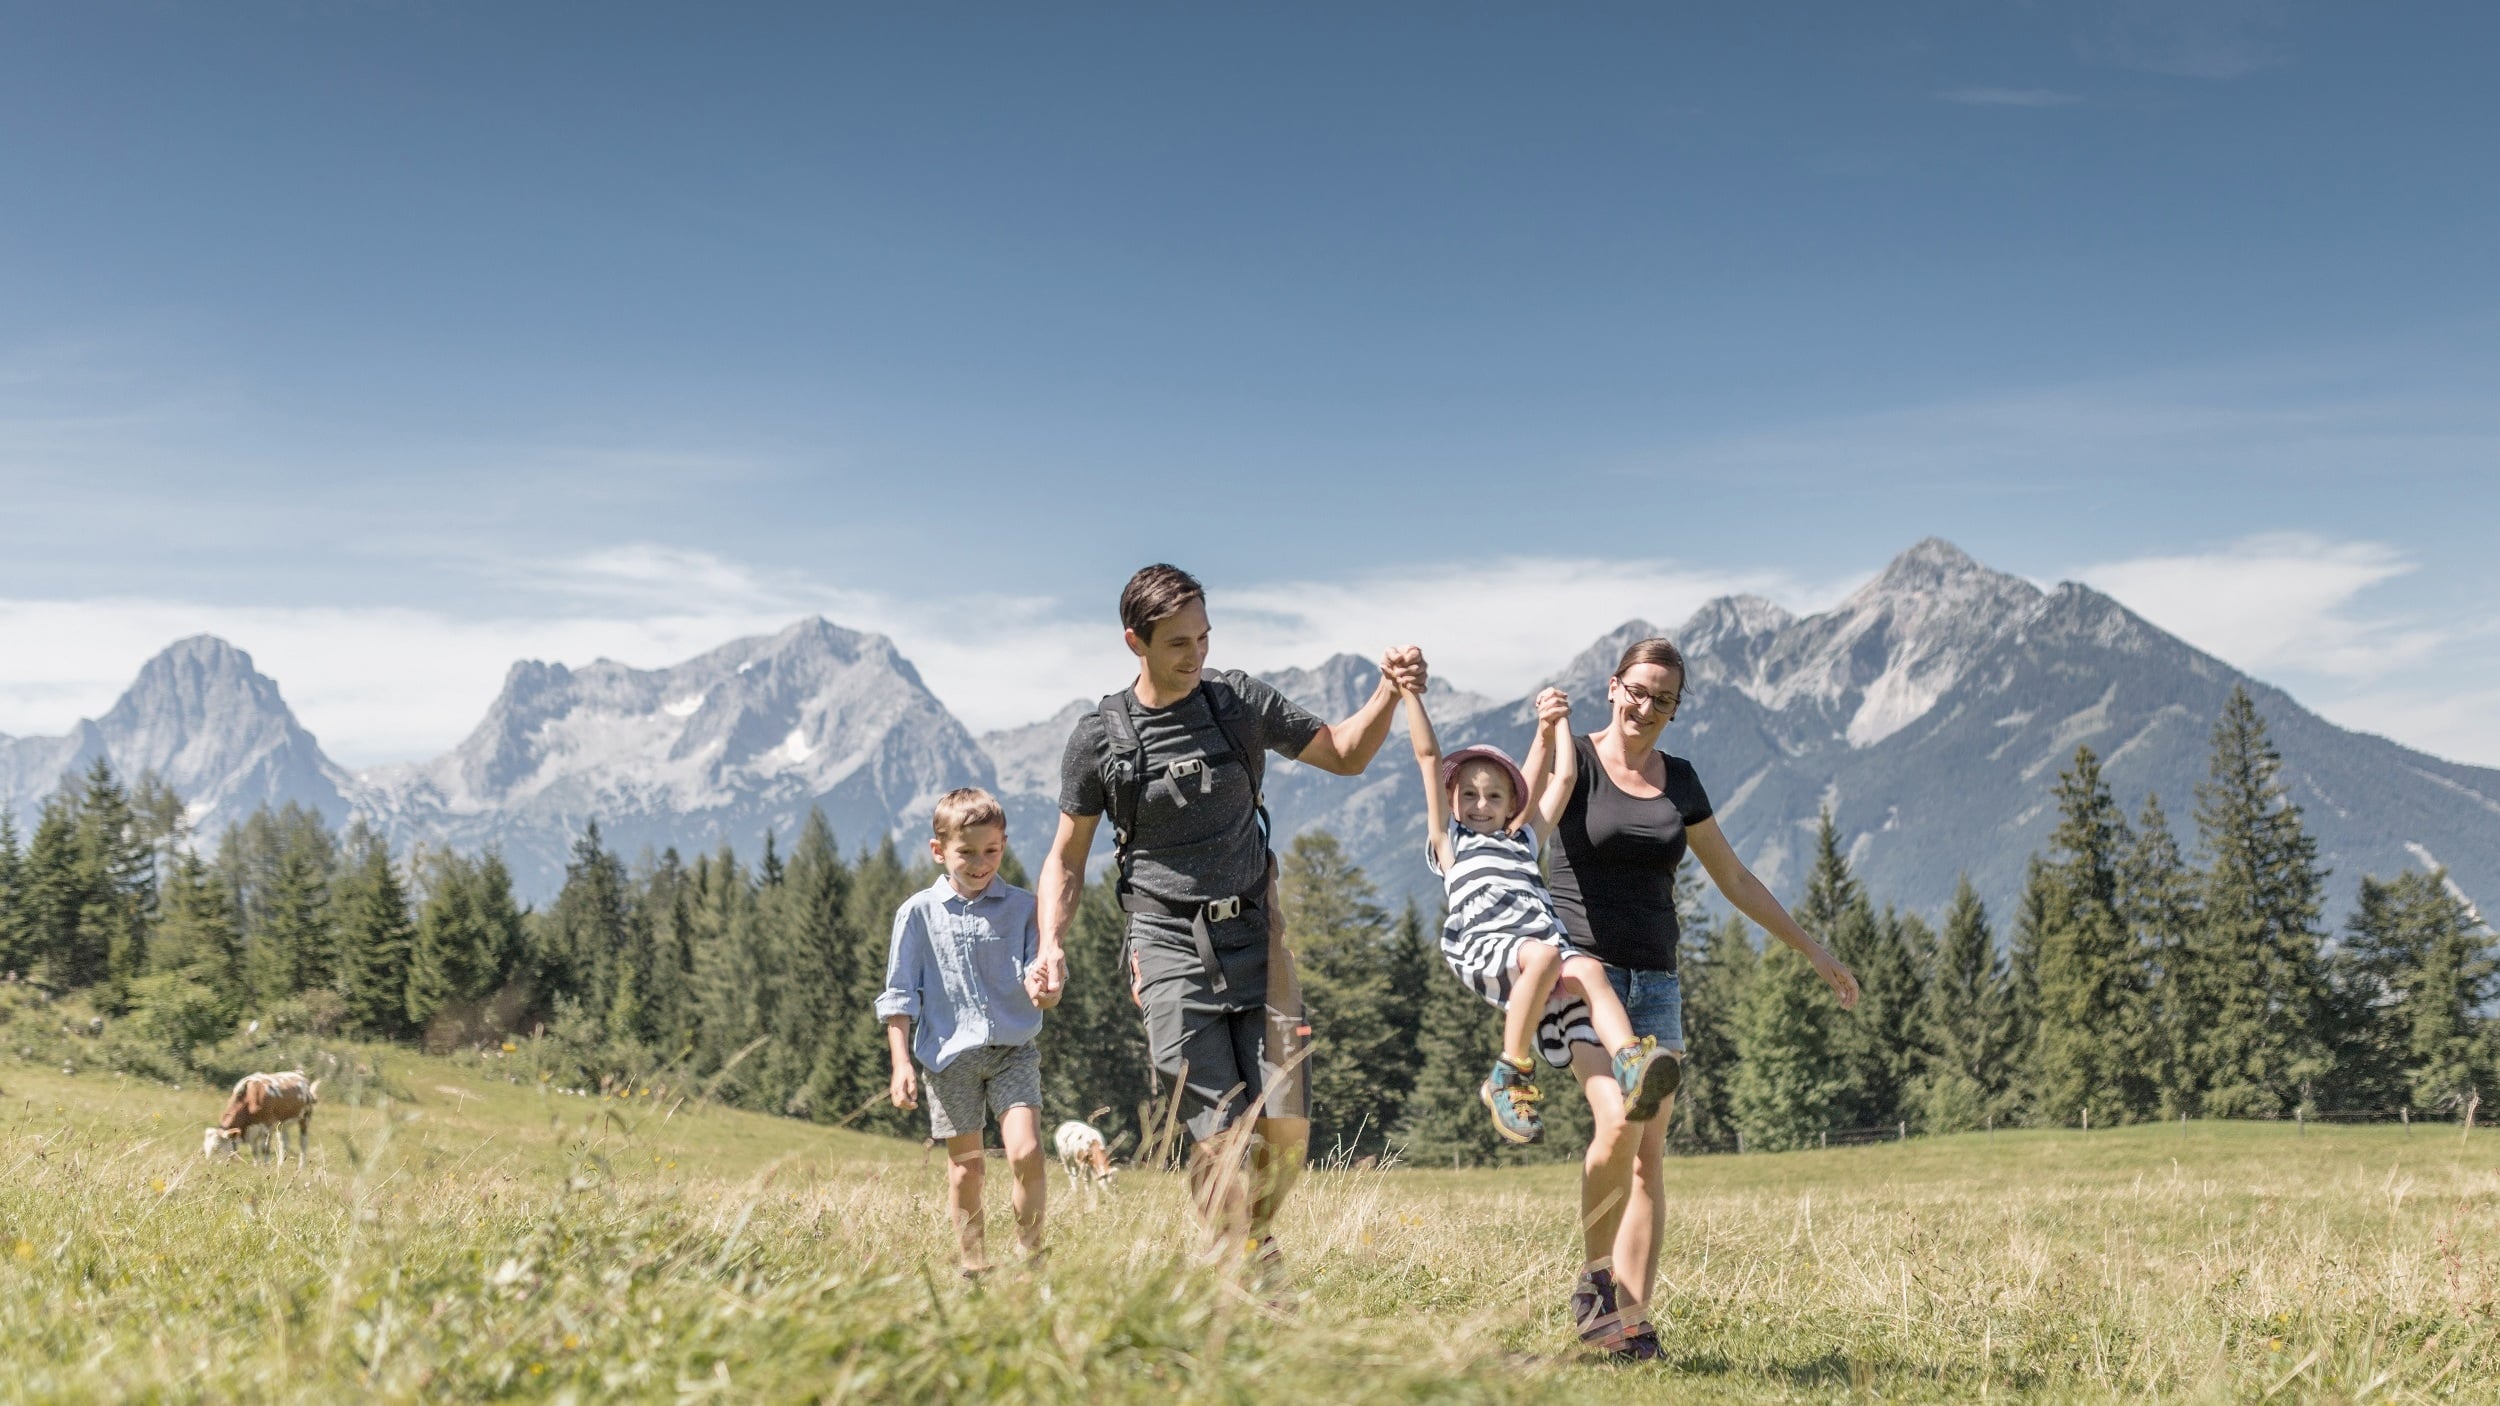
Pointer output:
x,y
1484,1095
1659,1082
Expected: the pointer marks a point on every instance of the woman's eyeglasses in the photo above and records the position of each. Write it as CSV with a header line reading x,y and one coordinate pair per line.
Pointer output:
x,y
1642,700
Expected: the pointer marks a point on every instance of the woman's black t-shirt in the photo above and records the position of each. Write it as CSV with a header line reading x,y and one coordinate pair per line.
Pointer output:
x,y
1613,866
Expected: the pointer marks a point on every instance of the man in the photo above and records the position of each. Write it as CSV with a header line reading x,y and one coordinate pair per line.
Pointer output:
x,y
1176,759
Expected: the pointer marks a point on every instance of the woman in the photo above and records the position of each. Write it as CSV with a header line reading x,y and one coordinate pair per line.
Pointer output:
x,y
1632,814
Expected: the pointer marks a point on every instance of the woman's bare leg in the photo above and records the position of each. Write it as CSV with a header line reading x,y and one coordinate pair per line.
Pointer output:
x,y
1606,1173
1635,1245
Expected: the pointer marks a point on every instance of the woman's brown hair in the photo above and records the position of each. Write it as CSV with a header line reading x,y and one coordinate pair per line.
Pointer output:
x,y
1655,650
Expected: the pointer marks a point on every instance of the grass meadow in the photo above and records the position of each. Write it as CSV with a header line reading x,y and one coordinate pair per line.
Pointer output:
x,y
464,1232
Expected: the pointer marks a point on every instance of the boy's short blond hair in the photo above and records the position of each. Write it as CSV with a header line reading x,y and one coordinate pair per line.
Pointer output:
x,y
963,809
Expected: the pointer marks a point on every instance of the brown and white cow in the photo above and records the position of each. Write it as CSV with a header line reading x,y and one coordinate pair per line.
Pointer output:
x,y
259,1109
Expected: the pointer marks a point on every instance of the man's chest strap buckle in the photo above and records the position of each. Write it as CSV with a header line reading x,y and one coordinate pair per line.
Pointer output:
x,y
1223,909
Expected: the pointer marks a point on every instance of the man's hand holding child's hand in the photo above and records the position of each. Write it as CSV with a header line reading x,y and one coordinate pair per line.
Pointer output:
x,y
1036,986
905,1089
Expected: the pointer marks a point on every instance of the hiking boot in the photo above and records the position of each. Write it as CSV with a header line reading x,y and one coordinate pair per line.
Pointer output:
x,y
1597,1309
1649,1076
1639,1345
1510,1095
1263,1264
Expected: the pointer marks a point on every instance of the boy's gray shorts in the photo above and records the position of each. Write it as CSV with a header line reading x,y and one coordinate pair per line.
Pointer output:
x,y
979,1084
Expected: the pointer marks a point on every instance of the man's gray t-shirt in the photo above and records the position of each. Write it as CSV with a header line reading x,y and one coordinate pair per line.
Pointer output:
x,y
1197,837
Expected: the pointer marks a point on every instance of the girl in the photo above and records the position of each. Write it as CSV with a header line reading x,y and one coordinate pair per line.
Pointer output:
x,y
1486,820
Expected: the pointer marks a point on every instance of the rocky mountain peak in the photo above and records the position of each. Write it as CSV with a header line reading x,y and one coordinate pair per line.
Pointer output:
x,y
203,718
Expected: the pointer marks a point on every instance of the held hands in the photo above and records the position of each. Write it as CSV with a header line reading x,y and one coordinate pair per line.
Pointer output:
x,y
1553,708
904,1088
1405,670
1047,978
1042,997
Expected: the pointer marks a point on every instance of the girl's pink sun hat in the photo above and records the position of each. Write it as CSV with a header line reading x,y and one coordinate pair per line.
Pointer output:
x,y
1518,779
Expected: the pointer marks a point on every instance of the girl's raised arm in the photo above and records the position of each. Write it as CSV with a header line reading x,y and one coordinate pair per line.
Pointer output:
x,y
1428,761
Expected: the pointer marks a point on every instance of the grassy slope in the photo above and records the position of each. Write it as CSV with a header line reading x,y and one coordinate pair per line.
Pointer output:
x,y
488,1238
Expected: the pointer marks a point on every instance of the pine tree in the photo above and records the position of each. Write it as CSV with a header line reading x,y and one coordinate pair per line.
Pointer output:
x,y
729,969
1968,1016
2084,1053
369,910
278,865
1342,944
669,918
468,935
2157,900
1872,1042
2022,975
1414,962
2261,995
1790,1083
198,935
2366,988
16,950
583,933
56,897
1444,1124
824,1035
124,862
193,989
1716,968
2422,971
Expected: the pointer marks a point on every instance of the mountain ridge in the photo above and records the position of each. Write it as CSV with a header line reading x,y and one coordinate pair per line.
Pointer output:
x,y
1930,709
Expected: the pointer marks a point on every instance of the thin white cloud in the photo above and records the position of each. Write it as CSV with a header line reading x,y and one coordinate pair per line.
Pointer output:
x,y
1495,628
2008,97
2458,724
2292,608
2275,603
391,684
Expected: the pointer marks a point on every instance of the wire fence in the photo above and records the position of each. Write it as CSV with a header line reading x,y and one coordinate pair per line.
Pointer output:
x,y
2460,1116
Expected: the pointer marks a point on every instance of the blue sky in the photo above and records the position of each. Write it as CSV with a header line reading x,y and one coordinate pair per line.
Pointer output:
x,y
397,341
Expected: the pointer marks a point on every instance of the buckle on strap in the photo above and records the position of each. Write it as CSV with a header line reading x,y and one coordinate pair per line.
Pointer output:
x,y
1222,909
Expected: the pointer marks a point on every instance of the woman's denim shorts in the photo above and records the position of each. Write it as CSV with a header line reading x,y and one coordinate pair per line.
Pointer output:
x,y
1655,1003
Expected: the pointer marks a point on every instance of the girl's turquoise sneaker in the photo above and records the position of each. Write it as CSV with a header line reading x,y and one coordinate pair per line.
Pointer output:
x,y
1649,1077
1510,1095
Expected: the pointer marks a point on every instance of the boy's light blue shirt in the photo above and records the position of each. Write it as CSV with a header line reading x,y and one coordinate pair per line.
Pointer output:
x,y
956,967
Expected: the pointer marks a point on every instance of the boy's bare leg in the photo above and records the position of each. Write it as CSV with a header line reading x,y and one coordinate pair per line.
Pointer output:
x,y
1587,975
963,1195
1021,1130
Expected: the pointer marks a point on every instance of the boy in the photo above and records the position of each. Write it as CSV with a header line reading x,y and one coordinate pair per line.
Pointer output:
x,y
961,969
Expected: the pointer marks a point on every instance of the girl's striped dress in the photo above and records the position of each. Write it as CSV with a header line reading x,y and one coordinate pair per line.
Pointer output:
x,y
1497,901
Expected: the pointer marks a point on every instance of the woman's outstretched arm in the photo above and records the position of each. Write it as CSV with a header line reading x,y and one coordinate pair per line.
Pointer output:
x,y
1741,888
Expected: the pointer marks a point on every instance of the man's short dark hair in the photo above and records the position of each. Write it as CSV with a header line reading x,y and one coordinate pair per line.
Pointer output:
x,y
1155,593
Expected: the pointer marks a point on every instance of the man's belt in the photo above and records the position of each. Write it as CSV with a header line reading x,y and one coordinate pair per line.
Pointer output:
x,y
1199,915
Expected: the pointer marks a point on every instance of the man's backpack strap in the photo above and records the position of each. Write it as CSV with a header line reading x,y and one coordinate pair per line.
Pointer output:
x,y
1224,703
1123,775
